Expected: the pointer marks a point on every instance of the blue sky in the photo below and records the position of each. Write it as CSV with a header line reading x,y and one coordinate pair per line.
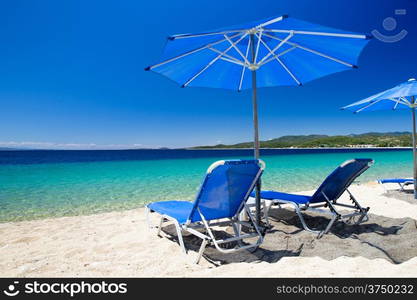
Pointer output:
x,y
71,74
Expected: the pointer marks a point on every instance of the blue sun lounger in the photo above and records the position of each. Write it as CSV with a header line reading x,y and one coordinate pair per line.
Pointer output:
x,y
326,196
222,197
402,182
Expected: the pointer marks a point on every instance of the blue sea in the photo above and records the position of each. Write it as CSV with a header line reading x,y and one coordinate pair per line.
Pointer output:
x,y
40,184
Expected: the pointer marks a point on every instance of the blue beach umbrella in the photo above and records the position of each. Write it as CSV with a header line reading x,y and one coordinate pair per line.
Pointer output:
x,y
403,96
279,51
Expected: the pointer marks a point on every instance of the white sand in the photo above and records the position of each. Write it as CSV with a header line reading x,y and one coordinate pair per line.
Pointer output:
x,y
119,244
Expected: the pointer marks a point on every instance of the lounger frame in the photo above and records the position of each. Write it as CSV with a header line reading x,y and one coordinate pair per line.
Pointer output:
x,y
331,210
203,229
401,184
329,207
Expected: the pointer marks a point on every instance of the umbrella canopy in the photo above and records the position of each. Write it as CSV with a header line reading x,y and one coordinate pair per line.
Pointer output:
x,y
400,97
287,51
270,52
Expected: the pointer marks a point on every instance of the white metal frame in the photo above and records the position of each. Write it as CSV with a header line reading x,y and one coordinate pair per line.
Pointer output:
x,y
203,229
396,102
234,37
331,204
401,184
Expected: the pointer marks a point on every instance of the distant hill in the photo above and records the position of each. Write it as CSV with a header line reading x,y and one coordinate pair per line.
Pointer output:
x,y
370,139
394,133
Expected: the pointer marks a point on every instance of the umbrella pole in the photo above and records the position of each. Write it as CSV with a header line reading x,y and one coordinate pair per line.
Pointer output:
x,y
256,147
256,131
413,109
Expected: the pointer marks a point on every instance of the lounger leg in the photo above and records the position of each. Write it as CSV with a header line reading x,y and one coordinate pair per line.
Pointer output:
x,y
361,219
237,228
334,218
266,212
180,239
363,211
363,216
201,251
148,220
150,225
160,226
300,216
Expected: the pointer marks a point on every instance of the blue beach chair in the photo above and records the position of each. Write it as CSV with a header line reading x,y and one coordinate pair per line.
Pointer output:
x,y
402,182
326,196
222,197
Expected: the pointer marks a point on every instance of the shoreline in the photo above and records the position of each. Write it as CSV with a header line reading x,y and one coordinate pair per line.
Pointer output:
x,y
114,210
53,216
119,244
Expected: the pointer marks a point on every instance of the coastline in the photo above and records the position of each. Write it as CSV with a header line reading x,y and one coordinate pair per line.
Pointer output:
x,y
202,148
119,244
306,148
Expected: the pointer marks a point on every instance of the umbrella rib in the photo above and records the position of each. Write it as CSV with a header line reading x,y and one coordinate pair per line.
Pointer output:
x,y
401,100
319,33
272,21
236,48
288,71
209,45
229,57
281,63
211,63
190,35
405,101
276,47
368,105
396,104
232,61
257,47
313,51
244,67
277,55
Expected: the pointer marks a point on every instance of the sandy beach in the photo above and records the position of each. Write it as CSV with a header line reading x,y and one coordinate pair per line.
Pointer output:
x,y
119,244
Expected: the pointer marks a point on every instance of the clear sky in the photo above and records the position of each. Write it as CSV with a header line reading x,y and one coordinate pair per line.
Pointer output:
x,y
71,74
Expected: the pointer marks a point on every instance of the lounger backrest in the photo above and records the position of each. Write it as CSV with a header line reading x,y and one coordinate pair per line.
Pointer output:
x,y
226,186
340,179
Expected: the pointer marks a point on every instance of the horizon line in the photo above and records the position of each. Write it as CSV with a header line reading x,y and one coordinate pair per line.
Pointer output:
x,y
30,145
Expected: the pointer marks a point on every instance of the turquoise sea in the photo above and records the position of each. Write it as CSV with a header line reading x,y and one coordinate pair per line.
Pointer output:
x,y
39,184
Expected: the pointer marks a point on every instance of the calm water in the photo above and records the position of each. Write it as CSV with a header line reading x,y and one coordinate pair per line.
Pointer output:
x,y
38,184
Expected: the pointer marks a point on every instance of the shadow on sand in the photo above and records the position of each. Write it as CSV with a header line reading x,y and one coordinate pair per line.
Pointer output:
x,y
380,237
406,195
